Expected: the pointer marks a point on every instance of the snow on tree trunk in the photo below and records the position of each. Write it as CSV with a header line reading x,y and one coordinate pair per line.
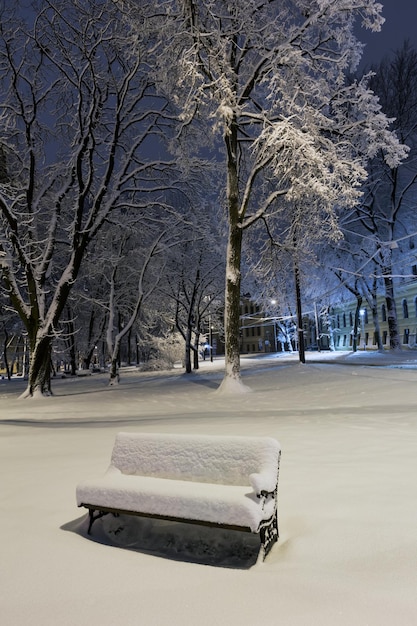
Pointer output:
x,y
188,350
195,350
114,360
39,382
232,378
114,371
232,303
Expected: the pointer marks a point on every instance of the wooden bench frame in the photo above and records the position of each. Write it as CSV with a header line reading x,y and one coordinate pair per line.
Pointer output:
x,y
267,530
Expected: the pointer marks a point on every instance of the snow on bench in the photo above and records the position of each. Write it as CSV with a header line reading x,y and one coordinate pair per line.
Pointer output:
x,y
228,482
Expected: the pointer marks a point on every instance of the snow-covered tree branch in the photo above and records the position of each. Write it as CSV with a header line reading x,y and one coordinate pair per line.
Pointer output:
x,y
78,120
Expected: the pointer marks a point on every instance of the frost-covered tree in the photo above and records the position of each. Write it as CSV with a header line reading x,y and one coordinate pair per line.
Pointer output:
x,y
132,280
269,79
78,117
194,284
387,211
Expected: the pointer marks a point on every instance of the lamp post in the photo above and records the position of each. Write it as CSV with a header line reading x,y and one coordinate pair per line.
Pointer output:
x,y
362,315
273,302
211,339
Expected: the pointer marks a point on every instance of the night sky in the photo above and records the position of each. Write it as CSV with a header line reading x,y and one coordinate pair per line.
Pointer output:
x,y
400,24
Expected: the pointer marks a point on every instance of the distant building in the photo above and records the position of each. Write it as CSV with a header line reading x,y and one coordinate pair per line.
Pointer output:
x,y
343,317
262,333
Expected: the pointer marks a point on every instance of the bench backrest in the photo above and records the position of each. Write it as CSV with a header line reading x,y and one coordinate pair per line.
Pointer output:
x,y
212,459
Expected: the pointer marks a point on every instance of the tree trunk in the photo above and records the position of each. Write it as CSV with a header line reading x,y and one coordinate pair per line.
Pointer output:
x,y
331,331
232,308
356,323
129,347
73,357
114,371
40,367
114,363
373,303
188,350
300,329
195,350
5,344
377,329
232,378
71,342
195,359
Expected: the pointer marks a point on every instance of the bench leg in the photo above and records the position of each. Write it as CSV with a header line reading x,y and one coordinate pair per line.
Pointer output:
x,y
269,535
94,517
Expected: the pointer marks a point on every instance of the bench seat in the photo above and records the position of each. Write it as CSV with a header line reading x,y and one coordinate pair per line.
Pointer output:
x,y
232,505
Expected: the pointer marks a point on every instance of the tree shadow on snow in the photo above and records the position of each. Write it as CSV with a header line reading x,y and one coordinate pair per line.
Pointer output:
x,y
172,540
203,381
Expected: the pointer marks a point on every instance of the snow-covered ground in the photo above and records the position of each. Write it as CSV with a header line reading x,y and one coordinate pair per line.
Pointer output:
x,y
347,553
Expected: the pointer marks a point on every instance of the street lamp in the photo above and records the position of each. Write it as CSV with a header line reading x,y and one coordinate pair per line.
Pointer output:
x,y
362,315
211,339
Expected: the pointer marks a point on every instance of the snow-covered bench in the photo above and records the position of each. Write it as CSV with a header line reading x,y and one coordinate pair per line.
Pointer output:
x,y
226,482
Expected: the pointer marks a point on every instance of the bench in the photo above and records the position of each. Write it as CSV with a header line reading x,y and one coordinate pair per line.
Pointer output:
x,y
227,482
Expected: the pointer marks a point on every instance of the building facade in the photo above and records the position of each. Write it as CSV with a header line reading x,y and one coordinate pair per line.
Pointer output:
x,y
406,304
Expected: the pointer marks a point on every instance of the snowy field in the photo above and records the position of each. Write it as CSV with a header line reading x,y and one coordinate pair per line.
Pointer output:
x,y
347,553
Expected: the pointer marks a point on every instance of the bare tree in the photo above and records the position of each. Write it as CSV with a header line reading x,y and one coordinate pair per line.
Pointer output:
x,y
196,294
130,299
194,279
78,113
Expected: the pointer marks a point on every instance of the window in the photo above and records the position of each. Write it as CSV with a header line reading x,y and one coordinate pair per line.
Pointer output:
x,y
405,309
384,313
384,337
406,335
350,318
344,320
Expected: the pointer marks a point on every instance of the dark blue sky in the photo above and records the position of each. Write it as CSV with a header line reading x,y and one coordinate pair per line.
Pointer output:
x,y
400,24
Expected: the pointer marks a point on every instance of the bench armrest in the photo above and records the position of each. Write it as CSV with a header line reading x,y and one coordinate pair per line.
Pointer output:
x,y
263,483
